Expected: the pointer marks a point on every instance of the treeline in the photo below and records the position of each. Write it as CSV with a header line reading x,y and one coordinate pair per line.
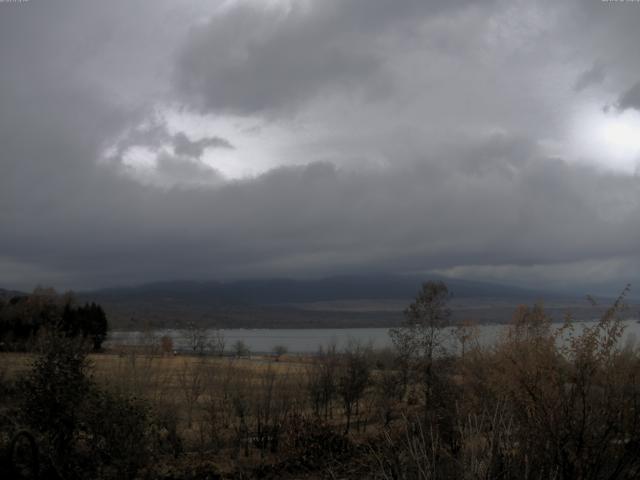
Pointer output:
x,y
24,317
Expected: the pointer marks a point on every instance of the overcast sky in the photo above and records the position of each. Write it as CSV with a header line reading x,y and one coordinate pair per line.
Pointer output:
x,y
159,140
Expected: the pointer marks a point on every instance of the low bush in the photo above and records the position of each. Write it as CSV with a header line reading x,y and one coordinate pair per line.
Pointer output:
x,y
82,431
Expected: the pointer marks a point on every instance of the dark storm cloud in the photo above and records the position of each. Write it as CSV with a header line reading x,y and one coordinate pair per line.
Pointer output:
x,y
253,59
448,106
317,220
593,76
630,98
256,59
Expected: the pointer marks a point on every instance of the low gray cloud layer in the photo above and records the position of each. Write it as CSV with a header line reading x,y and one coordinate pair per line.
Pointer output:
x,y
630,98
411,136
593,76
254,59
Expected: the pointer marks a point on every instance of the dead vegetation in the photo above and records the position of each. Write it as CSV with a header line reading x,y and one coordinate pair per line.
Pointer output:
x,y
543,402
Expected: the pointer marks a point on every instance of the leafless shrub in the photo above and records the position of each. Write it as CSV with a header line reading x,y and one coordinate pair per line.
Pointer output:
x,y
279,351
191,382
241,349
196,337
487,441
143,376
466,334
321,378
574,402
412,454
388,392
353,378
271,407
217,342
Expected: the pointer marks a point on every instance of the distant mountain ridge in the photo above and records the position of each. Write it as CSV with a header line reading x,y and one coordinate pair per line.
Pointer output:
x,y
4,294
287,291
347,301
374,300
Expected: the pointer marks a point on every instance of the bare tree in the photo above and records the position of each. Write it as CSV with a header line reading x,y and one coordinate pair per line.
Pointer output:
x,y
321,381
272,403
388,389
353,379
422,334
218,342
196,338
279,351
465,333
191,380
241,349
148,341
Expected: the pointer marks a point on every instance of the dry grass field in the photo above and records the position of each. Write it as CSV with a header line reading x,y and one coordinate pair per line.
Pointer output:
x,y
170,378
209,403
107,364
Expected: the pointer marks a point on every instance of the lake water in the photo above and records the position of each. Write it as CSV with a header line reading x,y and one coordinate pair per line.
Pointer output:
x,y
309,340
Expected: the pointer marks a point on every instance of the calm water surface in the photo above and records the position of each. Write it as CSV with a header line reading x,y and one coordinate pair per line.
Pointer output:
x,y
309,340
